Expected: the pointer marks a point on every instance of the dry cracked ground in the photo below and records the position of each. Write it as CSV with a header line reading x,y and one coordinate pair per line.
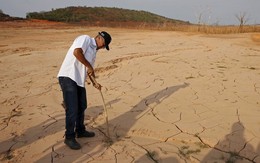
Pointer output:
x,y
171,98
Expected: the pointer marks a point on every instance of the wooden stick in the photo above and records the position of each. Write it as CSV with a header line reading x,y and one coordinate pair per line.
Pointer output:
x,y
104,105
93,80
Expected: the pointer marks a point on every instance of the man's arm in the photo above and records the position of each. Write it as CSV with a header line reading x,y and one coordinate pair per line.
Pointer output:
x,y
78,53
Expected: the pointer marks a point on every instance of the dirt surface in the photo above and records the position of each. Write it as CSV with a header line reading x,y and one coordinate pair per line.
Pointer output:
x,y
171,96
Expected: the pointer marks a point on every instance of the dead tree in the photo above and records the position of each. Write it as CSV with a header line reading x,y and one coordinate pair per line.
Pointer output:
x,y
243,19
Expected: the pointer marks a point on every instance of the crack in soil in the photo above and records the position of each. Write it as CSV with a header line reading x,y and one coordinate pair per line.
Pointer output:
x,y
14,112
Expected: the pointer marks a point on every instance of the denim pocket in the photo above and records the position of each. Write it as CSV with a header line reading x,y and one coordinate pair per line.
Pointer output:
x,y
67,84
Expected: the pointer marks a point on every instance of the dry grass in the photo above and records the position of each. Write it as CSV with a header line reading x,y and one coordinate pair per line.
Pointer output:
x,y
150,26
209,29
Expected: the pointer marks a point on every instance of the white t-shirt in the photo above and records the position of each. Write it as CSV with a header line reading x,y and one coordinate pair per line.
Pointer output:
x,y
72,67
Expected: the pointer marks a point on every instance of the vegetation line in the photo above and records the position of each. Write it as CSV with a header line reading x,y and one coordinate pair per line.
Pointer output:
x,y
125,18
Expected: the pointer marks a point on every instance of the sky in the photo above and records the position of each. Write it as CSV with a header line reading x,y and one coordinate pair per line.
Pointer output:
x,y
211,12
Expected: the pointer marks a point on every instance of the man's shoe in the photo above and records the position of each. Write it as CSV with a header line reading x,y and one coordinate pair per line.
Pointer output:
x,y
72,143
86,134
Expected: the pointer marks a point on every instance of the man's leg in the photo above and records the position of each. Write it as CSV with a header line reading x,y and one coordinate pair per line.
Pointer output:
x,y
70,96
82,105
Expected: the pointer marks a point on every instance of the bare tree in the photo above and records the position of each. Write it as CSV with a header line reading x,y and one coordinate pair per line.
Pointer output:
x,y
243,19
201,19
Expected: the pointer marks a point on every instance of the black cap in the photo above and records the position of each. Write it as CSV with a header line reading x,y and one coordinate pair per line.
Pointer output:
x,y
107,38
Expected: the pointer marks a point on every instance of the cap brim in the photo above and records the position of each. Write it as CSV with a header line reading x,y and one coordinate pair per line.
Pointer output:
x,y
107,47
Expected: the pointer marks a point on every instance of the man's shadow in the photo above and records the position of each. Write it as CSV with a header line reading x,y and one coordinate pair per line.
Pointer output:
x,y
257,159
234,148
119,127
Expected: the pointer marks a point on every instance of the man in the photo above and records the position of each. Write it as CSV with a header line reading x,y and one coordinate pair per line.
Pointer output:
x,y
77,64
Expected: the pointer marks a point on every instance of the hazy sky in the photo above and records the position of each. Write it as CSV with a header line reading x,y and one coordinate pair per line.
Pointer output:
x,y
222,12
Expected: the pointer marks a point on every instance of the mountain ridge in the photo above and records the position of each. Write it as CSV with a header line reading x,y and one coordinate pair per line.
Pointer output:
x,y
101,14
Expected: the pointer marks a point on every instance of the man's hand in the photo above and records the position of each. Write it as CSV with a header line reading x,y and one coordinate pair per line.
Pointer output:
x,y
95,83
90,71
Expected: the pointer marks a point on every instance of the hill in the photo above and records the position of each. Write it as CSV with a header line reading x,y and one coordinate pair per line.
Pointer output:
x,y
5,17
102,16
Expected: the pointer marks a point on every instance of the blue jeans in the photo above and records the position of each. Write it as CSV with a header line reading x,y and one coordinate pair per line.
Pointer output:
x,y
75,102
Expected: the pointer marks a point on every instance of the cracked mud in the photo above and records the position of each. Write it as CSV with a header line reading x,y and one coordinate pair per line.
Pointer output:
x,y
176,98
